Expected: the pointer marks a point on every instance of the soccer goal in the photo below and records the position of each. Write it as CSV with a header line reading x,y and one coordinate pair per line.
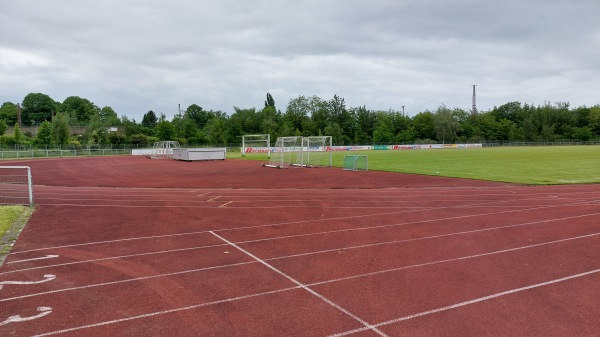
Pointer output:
x,y
164,149
256,144
356,163
317,151
15,185
286,153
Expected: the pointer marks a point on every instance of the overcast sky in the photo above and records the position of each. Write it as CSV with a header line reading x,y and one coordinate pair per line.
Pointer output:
x,y
141,55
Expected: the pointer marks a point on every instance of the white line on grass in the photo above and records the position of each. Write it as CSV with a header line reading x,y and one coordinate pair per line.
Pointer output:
x,y
301,285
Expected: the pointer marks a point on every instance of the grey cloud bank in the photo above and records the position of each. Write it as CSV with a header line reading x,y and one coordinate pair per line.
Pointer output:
x,y
137,56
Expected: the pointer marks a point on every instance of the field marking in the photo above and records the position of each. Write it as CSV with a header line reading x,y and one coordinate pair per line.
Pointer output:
x,y
466,257
47,277
319,233
304,221
157,313
225,204
420,222
303,286
462,304
17,318
35,259
136,279
422,239
191,307
112,258
461,258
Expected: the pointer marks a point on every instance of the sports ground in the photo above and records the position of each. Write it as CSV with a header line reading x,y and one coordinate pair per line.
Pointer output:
x,y
128,246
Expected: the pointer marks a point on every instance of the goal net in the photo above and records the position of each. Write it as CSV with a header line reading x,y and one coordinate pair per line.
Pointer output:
x,y
317,151
256,144
164,149
356,163
15,185
286,153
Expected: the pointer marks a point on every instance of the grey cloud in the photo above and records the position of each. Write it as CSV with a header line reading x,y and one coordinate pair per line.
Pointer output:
x,y
140,55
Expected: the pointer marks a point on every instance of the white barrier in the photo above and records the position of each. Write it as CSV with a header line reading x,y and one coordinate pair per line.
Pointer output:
x,y
192,154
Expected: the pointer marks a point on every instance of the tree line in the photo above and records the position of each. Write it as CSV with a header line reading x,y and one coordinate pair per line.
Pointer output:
x,y
303,116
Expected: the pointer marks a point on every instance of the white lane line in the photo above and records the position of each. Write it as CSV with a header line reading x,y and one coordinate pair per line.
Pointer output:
x,y
429,237
420,222
47,277
17,318
301,222
462,304
136,279
311,234
303,286
299,287
311,284
461,258
112,258
225,204
157,313
34,259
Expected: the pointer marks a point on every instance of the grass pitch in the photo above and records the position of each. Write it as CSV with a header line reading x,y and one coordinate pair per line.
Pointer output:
x,y
12,220
543,165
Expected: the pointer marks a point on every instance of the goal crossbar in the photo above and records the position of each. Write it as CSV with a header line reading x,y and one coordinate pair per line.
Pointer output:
x,y
298,151
256,144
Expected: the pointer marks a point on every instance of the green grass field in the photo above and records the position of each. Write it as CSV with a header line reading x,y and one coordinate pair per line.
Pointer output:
x,y
12,219
542,165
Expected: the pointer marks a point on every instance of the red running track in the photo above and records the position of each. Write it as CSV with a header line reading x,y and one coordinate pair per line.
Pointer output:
x,y
128,246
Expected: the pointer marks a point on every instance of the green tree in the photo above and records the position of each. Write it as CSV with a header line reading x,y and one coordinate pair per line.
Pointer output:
x,y
18,135
340,115
198,115
45,134
297,113
149,120
60,126
594,119
96,131
511,111
423,124
80,110
37,108
365,124
216,130
269,121
109,117
384,129
3,127
245,121
165,129
335,131
8,112
270,101
445,125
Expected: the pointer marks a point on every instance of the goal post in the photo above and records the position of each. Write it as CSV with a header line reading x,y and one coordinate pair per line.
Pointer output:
x,y
287,152
16,185
256,144
356,163
317,151
164,149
